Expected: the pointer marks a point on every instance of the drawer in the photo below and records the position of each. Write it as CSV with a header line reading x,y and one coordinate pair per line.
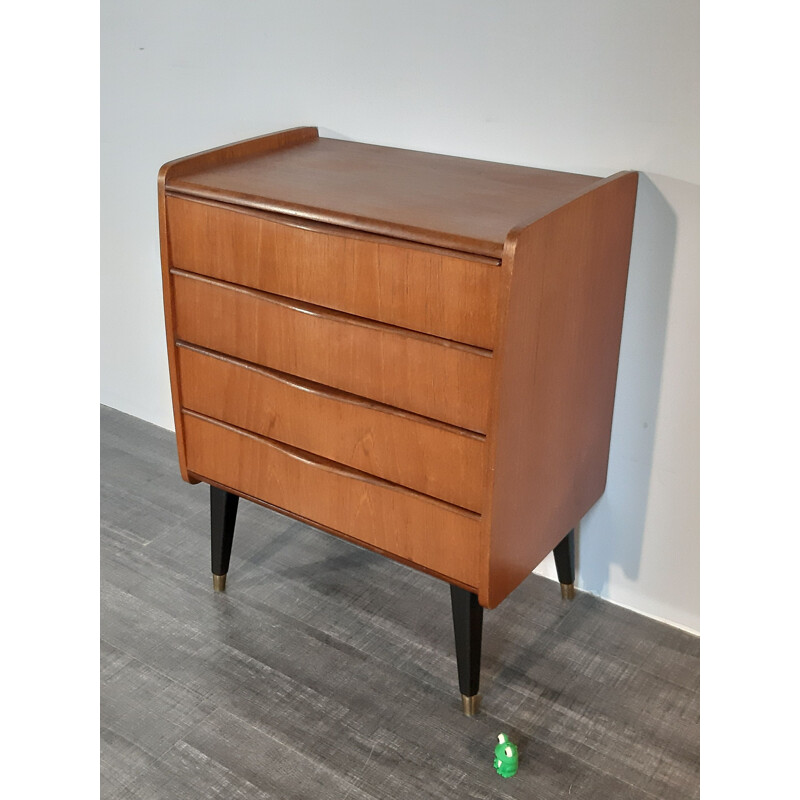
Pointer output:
x,y
396,520
427,456
438,379
424,289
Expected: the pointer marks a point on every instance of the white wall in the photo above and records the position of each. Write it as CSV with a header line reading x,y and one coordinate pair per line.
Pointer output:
x,y
591,86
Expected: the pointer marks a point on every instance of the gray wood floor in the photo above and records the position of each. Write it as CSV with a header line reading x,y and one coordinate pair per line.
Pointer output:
x,y
326,671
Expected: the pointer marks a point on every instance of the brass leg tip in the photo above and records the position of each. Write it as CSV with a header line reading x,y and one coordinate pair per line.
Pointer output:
x,y
567,591
470,704
219,583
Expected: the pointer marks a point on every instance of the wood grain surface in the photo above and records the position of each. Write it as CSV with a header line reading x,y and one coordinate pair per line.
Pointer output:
x,y
556,375
435,459
424,289
418,373
457,203
226,155
413,526
174,169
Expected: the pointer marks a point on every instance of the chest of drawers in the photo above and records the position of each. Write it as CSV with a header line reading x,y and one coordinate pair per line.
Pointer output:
x,y
415,352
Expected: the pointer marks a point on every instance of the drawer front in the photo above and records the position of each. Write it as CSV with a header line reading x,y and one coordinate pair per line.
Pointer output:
x,y
426,456
425,290
400,522
414,372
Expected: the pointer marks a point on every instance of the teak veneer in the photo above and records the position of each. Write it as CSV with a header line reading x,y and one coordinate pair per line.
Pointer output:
x,y
415,352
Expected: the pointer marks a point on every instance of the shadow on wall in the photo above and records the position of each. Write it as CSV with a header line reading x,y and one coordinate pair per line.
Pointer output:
x,y
614,528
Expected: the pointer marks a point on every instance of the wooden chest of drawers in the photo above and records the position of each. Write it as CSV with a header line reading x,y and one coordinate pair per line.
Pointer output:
x,y
415,352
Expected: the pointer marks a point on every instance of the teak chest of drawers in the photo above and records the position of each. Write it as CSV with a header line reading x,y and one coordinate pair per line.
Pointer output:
x,y
412,351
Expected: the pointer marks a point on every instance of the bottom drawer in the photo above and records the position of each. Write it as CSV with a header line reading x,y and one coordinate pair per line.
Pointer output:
x,y
427,532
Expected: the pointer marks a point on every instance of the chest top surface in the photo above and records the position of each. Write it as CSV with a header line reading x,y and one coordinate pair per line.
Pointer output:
x,y
453,202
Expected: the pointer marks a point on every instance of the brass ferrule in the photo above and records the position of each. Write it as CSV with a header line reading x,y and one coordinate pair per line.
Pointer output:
x,y
470,704
219,583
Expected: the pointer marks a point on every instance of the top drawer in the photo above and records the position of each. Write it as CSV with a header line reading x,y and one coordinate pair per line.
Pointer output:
x,y
424,289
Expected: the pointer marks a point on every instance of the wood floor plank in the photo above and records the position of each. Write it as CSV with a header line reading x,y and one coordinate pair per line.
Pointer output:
x,y
183,772
281,768
327,671
143,713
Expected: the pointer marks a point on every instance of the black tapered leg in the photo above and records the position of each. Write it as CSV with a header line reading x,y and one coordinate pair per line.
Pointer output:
x,y
468,626
223,521
564,555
